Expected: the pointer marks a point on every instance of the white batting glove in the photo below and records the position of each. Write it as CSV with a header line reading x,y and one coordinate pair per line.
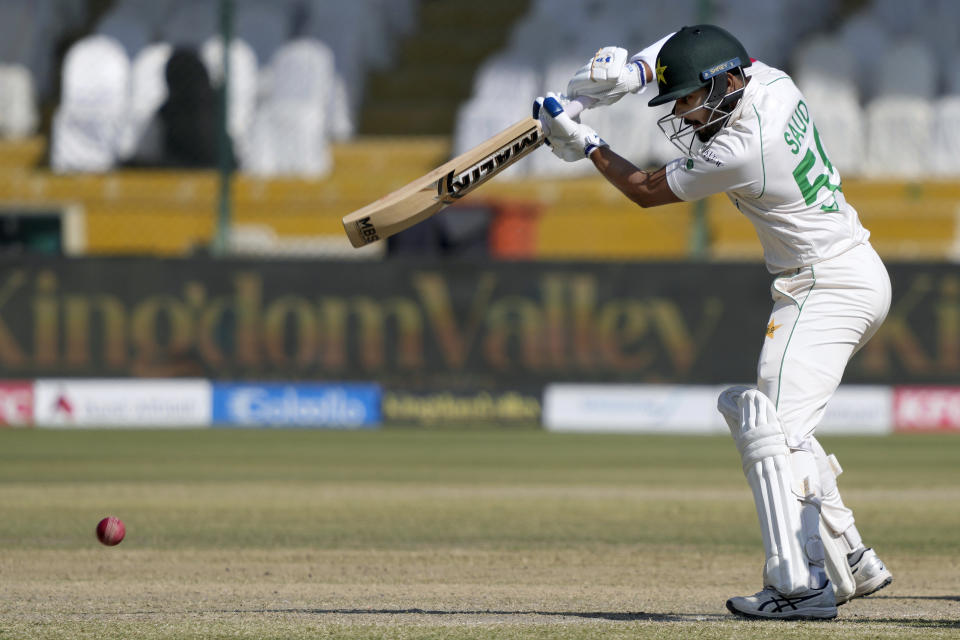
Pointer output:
x,y
569,140
607,77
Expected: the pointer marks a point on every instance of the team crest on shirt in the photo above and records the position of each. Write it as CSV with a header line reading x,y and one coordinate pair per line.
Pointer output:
x,y
772,328
710,156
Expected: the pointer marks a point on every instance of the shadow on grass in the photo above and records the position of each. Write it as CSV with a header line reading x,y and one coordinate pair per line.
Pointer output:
x,y
952,598
637,616
914,623
625,616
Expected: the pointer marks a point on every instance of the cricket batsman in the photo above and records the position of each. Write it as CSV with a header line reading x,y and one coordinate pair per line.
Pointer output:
x,y
744,129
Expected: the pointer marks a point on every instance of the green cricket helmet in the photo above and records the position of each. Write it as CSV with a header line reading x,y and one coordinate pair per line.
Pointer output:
x,y
699,57
693,57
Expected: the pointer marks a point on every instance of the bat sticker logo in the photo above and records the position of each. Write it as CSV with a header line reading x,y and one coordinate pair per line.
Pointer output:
x,y
457,184
367,231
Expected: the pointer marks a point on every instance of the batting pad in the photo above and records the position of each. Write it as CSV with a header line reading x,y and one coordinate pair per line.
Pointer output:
x,y
836,565
835,514
756,429
835,546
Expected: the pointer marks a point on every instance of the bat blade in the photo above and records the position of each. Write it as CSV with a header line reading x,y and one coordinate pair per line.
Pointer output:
x,y
446,184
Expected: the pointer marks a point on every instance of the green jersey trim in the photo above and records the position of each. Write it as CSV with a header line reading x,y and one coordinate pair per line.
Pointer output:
x,y
763,165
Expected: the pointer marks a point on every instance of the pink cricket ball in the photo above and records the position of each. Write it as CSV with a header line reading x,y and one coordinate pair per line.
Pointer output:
x,y
110,531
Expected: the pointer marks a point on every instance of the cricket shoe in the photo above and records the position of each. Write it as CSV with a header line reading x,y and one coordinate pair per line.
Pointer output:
x,y
869,572
769,604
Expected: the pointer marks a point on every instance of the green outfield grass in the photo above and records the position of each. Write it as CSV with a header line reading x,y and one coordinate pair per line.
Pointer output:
x,y
433,534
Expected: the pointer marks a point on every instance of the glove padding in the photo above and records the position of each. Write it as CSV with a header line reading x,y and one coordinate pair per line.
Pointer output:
x,y
569,140
607,77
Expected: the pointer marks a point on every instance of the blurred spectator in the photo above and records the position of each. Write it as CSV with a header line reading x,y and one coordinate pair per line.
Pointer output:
x,y
185,131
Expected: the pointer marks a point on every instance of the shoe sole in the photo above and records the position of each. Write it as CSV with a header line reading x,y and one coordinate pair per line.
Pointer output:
x,y
827,614
871,590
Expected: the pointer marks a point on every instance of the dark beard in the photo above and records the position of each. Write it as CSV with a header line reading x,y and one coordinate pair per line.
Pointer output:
x,y
707,132
726,108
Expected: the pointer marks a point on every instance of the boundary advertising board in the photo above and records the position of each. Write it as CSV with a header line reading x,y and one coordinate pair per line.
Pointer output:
x,y
120,403
16,403
423,326
346,406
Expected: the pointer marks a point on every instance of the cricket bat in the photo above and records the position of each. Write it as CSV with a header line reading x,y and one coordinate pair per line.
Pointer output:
x,y
446,184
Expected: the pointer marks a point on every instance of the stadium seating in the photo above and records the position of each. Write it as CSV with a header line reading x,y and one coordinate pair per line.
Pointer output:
x,y
361,35
301,69
945,154
18,102
901,131
886,49
839,119
907,68
242,89
289,132
89,123
823,64
148,91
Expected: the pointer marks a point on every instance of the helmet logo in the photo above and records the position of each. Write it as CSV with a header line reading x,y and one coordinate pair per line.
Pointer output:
x,y
720,68
661,69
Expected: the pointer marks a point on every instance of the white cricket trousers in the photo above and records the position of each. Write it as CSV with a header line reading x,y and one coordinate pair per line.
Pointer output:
x,y
822,315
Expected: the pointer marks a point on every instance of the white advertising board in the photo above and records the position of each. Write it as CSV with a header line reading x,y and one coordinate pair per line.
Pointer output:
x,y
125,403
692,409
858,410
632,408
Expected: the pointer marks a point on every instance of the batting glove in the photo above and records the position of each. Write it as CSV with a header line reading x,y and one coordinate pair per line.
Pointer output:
x,y
569,140
607,77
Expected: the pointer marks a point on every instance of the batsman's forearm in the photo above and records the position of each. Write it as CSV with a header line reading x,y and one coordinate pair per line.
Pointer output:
x,y
642,187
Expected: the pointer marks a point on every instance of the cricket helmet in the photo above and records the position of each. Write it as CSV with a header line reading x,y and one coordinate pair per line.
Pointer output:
x,y
693,57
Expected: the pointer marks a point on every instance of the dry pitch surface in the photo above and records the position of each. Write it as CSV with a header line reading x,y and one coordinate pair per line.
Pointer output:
x,y
488,534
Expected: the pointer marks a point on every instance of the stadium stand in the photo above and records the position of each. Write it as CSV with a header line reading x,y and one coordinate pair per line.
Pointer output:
x,y
357,36
311,79
903,149
148,91
289,132
945,155
907,68
89,123
18,102
242,89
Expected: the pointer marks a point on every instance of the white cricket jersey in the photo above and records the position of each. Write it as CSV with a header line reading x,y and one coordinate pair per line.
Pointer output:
x,y
772,164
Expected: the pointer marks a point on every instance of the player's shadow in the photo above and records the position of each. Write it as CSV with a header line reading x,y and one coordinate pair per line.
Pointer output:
x,y
951,598
627,616
623,616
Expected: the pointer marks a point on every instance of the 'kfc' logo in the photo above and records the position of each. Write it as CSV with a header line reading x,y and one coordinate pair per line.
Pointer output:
x,y
16,404
927,408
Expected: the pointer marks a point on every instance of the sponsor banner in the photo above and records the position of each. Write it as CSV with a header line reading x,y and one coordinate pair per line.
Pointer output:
x,y
432,324
692,409
122,403
296,405
926,409
858,410
632,409
16,404
459,408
